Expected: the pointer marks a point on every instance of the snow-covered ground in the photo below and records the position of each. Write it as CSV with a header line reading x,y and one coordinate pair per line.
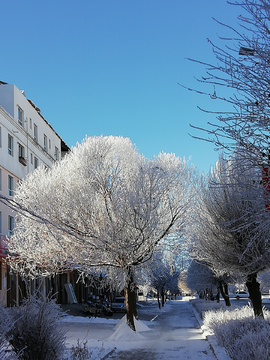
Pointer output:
x,y
172,333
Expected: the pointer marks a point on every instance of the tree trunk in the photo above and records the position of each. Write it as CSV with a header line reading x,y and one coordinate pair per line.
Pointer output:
x,y
158,300
130,300
218,295
255,294
162,297
223,288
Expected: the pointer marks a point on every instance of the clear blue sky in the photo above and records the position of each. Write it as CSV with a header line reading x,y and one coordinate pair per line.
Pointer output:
x,y
111,67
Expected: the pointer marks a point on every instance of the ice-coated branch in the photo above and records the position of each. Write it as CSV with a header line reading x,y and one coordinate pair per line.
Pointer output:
x,y
103,208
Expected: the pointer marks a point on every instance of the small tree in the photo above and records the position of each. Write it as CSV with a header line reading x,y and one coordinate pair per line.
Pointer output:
x,y
230,232
36,333
104,208
159,278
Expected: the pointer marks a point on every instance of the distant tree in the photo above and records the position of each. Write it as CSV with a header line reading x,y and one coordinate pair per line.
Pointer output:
x,y
201,279
264,279
240,80
104,208
173,284
230,229
162,276
182,282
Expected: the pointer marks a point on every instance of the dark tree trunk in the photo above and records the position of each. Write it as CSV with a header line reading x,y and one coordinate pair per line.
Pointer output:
x,y
162,297
130,300
223,288
218,295
255,294
158,300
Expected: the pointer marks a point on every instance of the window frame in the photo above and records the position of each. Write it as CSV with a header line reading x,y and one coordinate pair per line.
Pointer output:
x,y
35,162
10,185
10,225
21,150
45,142
35,132
20,117
56,153
10,144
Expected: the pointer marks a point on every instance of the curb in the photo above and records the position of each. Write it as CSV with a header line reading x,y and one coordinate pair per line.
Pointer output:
x,y
109,354
219,352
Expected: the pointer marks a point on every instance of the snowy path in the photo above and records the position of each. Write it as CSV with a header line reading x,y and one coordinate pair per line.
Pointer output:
x,y
174,334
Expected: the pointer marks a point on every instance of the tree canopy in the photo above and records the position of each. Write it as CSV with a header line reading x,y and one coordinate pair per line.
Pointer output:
x,y
241,83
230,232
104,207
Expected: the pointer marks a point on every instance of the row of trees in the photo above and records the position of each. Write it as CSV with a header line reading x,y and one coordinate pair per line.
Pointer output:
x,y
231,235
104,208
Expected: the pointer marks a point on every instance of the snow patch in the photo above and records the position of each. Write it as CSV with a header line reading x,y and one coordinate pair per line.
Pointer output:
x,y
139,325
80,319
124,332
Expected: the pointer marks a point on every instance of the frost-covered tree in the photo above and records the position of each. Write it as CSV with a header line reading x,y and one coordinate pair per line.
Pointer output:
x,y
230,231
241,83
182,282
201,278
160,276
264,279
104,208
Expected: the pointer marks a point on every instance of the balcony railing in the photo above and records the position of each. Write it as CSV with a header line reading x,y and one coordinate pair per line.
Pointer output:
x,y
22,160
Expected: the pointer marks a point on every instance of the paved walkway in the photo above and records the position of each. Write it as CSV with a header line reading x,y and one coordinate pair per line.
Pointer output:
x,y
175,335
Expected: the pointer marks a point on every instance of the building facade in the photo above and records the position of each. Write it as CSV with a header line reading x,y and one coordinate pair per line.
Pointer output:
x,y
27,140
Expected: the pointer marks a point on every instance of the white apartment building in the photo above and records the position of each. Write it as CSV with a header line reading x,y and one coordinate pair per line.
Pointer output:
x,y
27,140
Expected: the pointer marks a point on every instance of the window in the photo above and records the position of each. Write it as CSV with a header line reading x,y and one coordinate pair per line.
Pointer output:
x,y
0,179
21,151
56,153
35,133
10,185
31,156
10,225
49,143
35,162
1,231
45,143
10,145
20,116
22,159
30,123
0,137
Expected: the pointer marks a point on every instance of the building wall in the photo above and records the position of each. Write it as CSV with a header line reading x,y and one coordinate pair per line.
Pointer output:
x,y
21,151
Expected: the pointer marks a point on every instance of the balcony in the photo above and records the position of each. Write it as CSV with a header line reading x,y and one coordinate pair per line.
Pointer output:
x,y
22,160
3,246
